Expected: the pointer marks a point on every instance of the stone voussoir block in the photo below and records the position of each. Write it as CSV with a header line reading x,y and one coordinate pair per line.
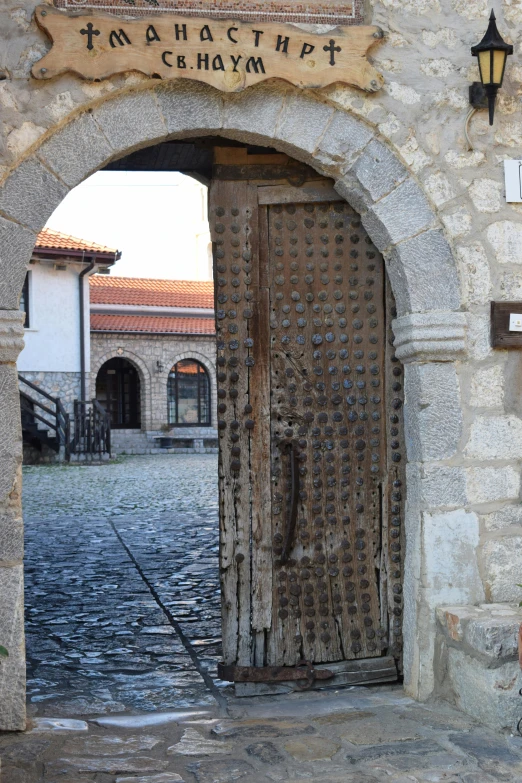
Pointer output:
x,y
254,112
31,193
131,120
423,274
350,189
400,215
343,140
378,170
190,108
77,150
301,125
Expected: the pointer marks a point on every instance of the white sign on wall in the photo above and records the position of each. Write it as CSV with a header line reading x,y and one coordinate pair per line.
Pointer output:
x,y
513,175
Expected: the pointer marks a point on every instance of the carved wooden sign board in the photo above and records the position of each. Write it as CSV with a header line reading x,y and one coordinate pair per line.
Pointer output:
x,y
229,55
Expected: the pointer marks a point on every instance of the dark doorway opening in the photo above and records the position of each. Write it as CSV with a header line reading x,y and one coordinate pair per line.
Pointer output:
x,y
118,390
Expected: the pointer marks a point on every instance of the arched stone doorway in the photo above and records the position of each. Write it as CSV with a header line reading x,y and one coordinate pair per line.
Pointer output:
x,y
118,389
143,375
429,330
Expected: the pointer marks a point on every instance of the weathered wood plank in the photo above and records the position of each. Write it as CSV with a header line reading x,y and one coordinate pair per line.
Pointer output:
x,y
241,156
287,173
233,222
262,561
354,672
311,192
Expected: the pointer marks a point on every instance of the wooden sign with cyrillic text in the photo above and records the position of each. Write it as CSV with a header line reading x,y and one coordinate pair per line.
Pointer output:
x,y
229,55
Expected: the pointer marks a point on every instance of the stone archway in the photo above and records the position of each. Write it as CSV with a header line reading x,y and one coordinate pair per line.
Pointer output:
x,y
429,328
143,374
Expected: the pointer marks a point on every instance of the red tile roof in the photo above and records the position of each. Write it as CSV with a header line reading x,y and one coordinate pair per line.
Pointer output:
x,y
156,293
55,240
151,324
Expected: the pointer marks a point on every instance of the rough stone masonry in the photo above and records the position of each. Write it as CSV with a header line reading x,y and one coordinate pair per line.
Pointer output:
x,y
452,244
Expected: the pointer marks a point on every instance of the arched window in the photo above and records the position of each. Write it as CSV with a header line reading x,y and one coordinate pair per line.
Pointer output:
x,y
188,394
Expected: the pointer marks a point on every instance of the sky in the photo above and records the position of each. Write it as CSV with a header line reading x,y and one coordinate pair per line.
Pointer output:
x,y
153,218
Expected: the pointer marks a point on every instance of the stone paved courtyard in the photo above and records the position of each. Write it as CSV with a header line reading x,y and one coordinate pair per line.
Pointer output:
x,y
123,632
97,641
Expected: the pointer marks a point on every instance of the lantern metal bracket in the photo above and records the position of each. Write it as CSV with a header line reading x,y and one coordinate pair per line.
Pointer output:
x,y
478,99
477,96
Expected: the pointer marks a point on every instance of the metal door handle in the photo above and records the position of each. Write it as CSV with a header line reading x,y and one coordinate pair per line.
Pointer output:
x,y
288,447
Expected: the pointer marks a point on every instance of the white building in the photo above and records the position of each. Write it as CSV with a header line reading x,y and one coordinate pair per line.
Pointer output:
x,y
55,298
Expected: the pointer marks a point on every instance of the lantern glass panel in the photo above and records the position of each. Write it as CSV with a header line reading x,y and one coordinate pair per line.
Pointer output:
x,y
491,64
484,59
499,61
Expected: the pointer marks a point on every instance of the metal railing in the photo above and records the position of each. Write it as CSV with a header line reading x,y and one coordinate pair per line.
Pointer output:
x,y
50,413
91,428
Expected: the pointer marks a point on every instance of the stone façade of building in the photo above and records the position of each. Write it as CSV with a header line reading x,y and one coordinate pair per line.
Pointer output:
x,y
434,208
154,324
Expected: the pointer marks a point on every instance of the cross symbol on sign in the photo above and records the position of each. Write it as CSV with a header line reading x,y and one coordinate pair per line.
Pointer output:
x,y
332,48
89,32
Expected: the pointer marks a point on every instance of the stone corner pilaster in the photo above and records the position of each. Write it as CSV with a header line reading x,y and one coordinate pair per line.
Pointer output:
x,y
11,335
430,337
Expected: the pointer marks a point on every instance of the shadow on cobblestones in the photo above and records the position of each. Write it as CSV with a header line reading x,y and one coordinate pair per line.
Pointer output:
x,y
97,641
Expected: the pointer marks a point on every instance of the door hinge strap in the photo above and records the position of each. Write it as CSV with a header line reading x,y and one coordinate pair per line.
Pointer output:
x,y
304,670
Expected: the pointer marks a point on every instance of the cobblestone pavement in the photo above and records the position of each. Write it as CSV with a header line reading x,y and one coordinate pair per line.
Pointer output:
x,y
110,675
97,641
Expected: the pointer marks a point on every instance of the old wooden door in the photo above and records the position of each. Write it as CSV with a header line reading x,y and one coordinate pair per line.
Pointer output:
x,y
310,410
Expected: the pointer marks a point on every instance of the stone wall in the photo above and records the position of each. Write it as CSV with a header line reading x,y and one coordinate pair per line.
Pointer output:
x,y
436,210
65,385
145,352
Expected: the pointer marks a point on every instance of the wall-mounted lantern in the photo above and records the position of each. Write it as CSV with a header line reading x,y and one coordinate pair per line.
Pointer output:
x,y
492,53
